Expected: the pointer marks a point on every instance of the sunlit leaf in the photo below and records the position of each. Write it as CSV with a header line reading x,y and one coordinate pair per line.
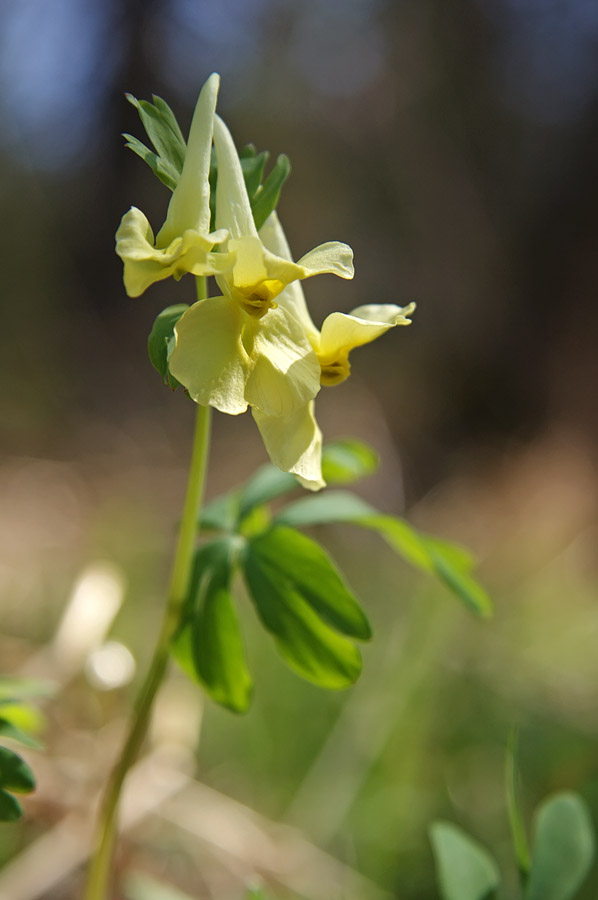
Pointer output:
x,y
9,730
304,641
465,870
563,849
307,567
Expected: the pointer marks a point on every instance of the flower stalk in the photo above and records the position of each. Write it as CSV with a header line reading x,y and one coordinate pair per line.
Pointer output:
x,y
107,822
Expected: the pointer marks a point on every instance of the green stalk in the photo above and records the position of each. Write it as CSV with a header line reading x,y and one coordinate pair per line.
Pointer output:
x,y
106,827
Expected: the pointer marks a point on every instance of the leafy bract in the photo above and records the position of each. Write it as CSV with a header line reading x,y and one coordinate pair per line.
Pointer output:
x,y
209,645
465,870
298,595
160,336
563,849
266,199
447,562
163,131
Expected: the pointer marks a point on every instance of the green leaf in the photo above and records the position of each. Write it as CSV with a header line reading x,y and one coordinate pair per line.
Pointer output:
x,y
209,646
563,848
465,870
217,644
7,729
325,508
253,171
267,484
446,561
297,559
163,131
264,202
310,647
164,170
221,514
160,335
346,461
10,808
516,823
15,774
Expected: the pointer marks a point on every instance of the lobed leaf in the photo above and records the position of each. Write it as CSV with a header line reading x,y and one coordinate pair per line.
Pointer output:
x,y
449,563
465,870
163,131
164,170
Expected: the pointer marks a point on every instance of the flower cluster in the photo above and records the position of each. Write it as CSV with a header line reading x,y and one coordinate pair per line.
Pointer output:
x,y
254,344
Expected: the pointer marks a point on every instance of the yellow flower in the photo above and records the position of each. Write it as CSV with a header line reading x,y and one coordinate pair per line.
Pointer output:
x,y
243,349
341,332
258,275
184,243
294,442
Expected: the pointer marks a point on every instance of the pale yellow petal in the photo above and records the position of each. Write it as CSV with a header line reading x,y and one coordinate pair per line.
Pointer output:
x,y
292,297
332,257
285,370
144,264
233,210
190,203
341,332
294,444
209,358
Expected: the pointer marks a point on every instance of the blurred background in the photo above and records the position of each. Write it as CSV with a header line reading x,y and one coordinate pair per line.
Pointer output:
x,y
453,144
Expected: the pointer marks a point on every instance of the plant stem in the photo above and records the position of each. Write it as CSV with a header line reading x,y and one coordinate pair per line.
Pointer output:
x,y
106,828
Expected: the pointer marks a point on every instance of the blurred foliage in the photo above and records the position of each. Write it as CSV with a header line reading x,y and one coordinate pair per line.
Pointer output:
x,y
462,168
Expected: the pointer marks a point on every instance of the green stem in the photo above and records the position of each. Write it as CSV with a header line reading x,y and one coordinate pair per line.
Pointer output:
x,y
106,828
